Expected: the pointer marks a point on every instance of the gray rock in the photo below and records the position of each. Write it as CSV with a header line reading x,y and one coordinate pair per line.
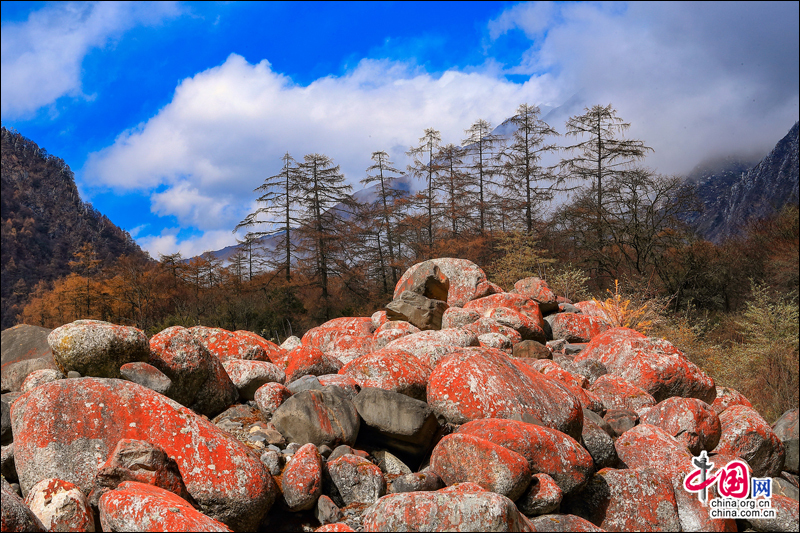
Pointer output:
x,y
357,479
532,350
16,515
23,342
318,416
304,383
273,460
6,435
572,349
342,449
147,376
455,317
389,464
249,375
40,377
424,313
419,481
599,444
598,421
591,369
620,420
326,511
786,428
396,421
291,343
15,373
72,374
324,451
95,348
7,466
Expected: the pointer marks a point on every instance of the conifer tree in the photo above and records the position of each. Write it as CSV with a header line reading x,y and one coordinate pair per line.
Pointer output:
x,y
428,145
453,183
524,175
380,174
279,196
481,144
324,199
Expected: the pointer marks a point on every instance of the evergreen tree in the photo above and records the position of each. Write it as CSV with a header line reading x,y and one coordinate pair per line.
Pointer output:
x,y
524,175
481,144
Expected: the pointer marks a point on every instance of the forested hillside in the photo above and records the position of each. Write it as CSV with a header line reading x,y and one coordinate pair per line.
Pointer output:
x,y
45,224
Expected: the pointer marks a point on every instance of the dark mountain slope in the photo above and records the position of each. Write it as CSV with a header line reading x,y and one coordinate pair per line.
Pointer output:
x,y
733,195
44,222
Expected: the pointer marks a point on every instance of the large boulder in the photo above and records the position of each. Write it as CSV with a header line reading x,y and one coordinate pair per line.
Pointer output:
x,y
574,327
135,506
199,381
747,435
467,280
356,479
391,330
247,376
689,420
424,313
393,370
325,335
427,280
24,342
537,290
301,481
639,499
15,373
95,348
786,429
484,383
396,421
432,346
309,361
318,416
66,430
61,506
519,303
465,507
618,393
226,344
547,451
462,457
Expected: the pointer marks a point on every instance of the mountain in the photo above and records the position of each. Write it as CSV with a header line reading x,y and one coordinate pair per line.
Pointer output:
x,y
44,222
735,192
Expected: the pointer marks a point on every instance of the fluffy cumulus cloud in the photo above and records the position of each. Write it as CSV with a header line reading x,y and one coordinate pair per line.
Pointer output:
x,y
42,56
694,80
227,128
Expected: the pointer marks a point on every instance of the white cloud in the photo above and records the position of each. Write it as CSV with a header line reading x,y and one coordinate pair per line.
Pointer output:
x,y
41,57
227,128
168,243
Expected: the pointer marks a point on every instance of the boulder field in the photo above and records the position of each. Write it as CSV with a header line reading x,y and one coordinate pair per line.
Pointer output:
x,y
461,407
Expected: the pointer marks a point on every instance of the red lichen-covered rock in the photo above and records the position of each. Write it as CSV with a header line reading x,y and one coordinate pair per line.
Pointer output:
x,y
40,377
356,479
308,360
335,527
138,460
96,348
523,324
747,435
244,340
653,365
199,380
520,303
542,497
497,341
547,451
392,330
485,325
425,279
689,420
319,416
536,289
226,344
455,317
650,446
379,318
553,370
639,499
348,347
431,346
477,383
465,279
467,508
463,457
618,393
247,375
591,308
60,505
394,370
66,429
563,522
137,506
270,396
574,327
301,481
14,514
324,335
727,397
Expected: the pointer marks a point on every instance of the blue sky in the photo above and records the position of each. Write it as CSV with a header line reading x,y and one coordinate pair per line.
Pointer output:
x,y
171,113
